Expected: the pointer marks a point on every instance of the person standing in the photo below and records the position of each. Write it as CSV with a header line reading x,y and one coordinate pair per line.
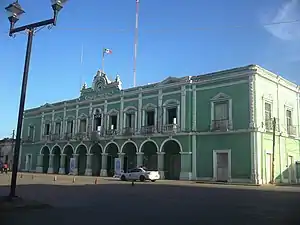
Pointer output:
x,y
5,166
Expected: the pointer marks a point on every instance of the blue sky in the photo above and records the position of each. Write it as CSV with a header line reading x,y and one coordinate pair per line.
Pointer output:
x,y
176,38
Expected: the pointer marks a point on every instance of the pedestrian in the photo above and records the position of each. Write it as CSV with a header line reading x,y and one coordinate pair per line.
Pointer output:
x,y
5,166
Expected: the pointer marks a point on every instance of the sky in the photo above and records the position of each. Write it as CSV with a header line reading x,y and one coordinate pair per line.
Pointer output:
x,y
176,38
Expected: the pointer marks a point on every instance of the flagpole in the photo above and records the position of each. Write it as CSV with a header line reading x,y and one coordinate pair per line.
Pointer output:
x,y
135,41
102,60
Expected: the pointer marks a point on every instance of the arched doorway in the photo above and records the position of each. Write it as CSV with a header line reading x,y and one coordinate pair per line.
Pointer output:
x,y
81,151
149,149
112,153
68,151
172,159
46,153
56,151
129,148
96,150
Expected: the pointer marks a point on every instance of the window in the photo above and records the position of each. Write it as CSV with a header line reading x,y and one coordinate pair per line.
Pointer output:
x,y
57,127
70,127
221,110
150,118
82,126
31,132
113,122
172,116
97,120
129,120
289,118
47,129
268,115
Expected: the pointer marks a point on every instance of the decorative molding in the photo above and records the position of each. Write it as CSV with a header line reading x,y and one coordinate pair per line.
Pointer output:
x,y
220,97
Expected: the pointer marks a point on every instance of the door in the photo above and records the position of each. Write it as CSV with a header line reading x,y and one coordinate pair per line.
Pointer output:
x,y
268,168
28,162
222,167
291,170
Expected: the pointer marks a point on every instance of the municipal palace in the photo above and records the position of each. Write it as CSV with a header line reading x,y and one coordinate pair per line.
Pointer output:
x,y
212,127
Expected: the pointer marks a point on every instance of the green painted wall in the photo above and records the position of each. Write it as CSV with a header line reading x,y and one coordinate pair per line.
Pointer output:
x,y
240,154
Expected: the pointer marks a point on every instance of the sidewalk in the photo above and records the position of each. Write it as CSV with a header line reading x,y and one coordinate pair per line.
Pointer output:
x,y
227,183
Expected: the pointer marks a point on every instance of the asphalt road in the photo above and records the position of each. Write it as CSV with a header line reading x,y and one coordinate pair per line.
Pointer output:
x,y
166,202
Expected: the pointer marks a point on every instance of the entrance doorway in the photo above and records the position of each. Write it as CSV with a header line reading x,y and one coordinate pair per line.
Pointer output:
x,y
268,168
222,165
291,170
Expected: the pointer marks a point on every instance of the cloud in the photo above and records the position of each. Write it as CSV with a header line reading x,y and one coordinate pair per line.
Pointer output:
x,y
288,11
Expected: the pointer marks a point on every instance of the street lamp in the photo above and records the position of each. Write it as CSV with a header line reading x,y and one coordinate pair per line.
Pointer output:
x,y
14,11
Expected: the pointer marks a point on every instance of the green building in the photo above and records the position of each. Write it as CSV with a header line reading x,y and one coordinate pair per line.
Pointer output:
x,y
216,126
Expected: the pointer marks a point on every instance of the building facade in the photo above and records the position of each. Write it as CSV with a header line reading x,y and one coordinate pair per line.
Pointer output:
x,y
6,150
216,126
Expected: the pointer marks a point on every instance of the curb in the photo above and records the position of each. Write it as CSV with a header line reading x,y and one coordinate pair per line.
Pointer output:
x,y
224,183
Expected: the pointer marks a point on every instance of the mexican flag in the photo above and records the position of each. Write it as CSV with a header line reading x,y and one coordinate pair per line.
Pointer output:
x,y
107,51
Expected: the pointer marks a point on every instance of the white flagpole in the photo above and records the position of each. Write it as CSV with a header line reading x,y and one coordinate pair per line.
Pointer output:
x,y
136,41
103,60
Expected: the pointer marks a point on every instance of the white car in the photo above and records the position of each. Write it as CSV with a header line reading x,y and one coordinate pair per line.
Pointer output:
x,y
140,174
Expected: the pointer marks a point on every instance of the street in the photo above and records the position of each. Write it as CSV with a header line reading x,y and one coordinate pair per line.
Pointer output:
x,y
168,202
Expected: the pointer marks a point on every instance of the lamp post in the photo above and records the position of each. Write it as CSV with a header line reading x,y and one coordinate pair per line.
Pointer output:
x,y
14,11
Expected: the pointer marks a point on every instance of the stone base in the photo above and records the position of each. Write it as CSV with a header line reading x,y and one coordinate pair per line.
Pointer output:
x,y
39,169
50,170
62,171
88,172
74,172
162,174
185,176
103,173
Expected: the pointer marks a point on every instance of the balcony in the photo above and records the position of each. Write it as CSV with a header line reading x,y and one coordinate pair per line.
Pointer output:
x,y
68,136
55,137
28,140
111,132
145,130
82,136
170,128
46,138
128,131
268,125
291,130
96,135
220,125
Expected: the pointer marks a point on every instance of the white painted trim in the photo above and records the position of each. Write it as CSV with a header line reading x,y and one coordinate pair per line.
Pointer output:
x,y
148,140
111,142
90,148
30,165
54,146
129,141
81,144
170,139
66,145
45,146
194,156
215,152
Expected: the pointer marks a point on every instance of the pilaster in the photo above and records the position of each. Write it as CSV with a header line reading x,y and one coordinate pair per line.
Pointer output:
x,y
252,101
183,108
139,159
120,124
140,105
39,166
121,157
105,124
186,166
75,172
160,164
103,172
50,168
64,122
88,170
62,164
42,126
160,112
76,125
194,109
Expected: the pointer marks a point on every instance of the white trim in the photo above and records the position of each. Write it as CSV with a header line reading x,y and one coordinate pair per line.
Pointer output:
x,y
215,152
81,144
171,104
148,140
30,165
170,139
129,141
66,145
41,150
98,144
111,142
54,146
130,110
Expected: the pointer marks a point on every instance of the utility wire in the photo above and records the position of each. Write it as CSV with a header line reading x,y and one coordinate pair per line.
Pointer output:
x,y
161,30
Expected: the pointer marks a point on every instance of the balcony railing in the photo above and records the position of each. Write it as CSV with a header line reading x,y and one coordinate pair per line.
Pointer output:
x,y
96,135
111,132
68,136
170,128
128,131
147,130
220,125
291,130
46,137
269,125
81,136
55,137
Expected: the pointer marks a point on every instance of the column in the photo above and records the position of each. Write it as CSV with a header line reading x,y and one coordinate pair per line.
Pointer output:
x,y
62,164
139,159
50,168
183,109
186,166
88,169
160,164
121,157
103,172
42,126
64,122
39,166
160,112
120,124
140,105
75,172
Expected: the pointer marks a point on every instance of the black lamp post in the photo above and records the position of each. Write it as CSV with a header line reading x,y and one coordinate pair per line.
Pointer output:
x,y
14,12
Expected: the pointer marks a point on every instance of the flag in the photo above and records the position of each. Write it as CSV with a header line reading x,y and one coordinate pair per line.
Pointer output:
x,y
137,1
107,51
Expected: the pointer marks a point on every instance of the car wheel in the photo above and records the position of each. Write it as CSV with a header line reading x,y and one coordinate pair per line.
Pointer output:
x,y
123,178
153,180
142,178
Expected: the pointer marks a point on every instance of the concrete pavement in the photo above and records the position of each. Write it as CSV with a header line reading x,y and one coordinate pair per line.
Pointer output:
x,y
114,202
